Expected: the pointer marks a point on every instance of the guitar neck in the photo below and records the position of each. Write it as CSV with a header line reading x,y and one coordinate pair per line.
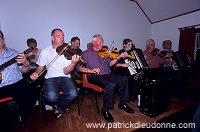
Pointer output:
x,y
8,63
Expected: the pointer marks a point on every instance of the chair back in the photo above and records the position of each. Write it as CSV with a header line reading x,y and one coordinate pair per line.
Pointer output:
x,y
5,99
87,84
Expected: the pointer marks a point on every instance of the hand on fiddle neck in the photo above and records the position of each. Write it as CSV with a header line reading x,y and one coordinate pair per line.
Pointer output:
x,y
168,55
75,59
122,55
69,68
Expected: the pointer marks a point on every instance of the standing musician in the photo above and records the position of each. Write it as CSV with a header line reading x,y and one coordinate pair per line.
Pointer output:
x,y
150,54
58,75
101,75
12,83
128,47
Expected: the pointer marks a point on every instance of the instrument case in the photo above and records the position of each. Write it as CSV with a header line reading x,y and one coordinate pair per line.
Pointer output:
x,y
154,93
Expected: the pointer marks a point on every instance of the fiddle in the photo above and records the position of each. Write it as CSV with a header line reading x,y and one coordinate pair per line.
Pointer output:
x,y
156,52
68,52
65,50
113,54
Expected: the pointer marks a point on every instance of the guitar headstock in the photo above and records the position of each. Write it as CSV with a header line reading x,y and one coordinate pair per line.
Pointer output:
x,y
28,50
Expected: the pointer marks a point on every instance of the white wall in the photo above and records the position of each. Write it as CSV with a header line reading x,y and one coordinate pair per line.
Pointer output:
x,y
169,29
115,20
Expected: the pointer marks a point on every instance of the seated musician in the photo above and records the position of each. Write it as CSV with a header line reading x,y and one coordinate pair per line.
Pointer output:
x,y
176,78
167,52
104,78
75,44
128,46
58,76
12,83
33,56
151,56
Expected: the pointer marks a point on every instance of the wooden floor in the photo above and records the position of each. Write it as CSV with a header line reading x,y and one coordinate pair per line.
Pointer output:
x,y
72,122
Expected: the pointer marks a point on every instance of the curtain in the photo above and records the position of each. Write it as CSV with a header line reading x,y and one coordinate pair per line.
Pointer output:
x,y
187,41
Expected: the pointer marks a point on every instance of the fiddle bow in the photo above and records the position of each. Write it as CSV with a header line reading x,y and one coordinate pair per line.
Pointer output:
x,y
104,60
157,53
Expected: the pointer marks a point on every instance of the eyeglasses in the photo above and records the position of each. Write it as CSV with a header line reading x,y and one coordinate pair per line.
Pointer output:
x,y
58,36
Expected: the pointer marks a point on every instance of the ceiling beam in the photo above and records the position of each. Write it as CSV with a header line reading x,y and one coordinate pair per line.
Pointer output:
x,y
142,10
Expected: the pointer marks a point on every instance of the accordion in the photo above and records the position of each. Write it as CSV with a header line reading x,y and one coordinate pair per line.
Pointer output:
x,y
182,60
136,67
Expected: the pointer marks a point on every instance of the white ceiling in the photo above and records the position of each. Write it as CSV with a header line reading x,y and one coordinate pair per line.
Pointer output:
x,y
160,10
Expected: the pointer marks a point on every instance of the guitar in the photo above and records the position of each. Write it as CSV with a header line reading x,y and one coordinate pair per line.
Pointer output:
x,y
12,61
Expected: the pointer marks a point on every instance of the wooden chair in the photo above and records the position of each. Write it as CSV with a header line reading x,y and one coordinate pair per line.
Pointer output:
x,y
7,99
87,84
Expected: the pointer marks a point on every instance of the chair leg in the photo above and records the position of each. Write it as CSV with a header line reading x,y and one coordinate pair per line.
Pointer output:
x,y
45,113
95,95
82,96
78,105
41,101
42,105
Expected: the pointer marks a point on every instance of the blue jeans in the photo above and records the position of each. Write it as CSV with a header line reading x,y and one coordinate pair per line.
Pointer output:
x,y
196,120
52,88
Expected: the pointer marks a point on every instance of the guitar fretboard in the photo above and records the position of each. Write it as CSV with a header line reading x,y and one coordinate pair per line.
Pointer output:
x,y
8,63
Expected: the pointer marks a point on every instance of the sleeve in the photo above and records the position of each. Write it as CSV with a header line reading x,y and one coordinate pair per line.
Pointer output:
x,y
41,59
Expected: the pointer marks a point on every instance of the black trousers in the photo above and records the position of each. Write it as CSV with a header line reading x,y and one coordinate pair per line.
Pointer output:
x,y
21,93
109,83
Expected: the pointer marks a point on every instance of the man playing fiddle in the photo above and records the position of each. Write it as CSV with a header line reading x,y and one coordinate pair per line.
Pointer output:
x,y
58,76
104,78
153,59
75,44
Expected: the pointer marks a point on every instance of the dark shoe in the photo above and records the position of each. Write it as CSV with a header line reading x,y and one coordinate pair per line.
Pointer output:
x,y
107,116
126,108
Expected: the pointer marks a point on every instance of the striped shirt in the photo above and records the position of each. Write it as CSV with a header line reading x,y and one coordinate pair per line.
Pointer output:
x,y
12,73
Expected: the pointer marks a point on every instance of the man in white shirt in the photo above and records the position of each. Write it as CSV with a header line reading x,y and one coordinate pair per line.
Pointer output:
x,y
58,76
